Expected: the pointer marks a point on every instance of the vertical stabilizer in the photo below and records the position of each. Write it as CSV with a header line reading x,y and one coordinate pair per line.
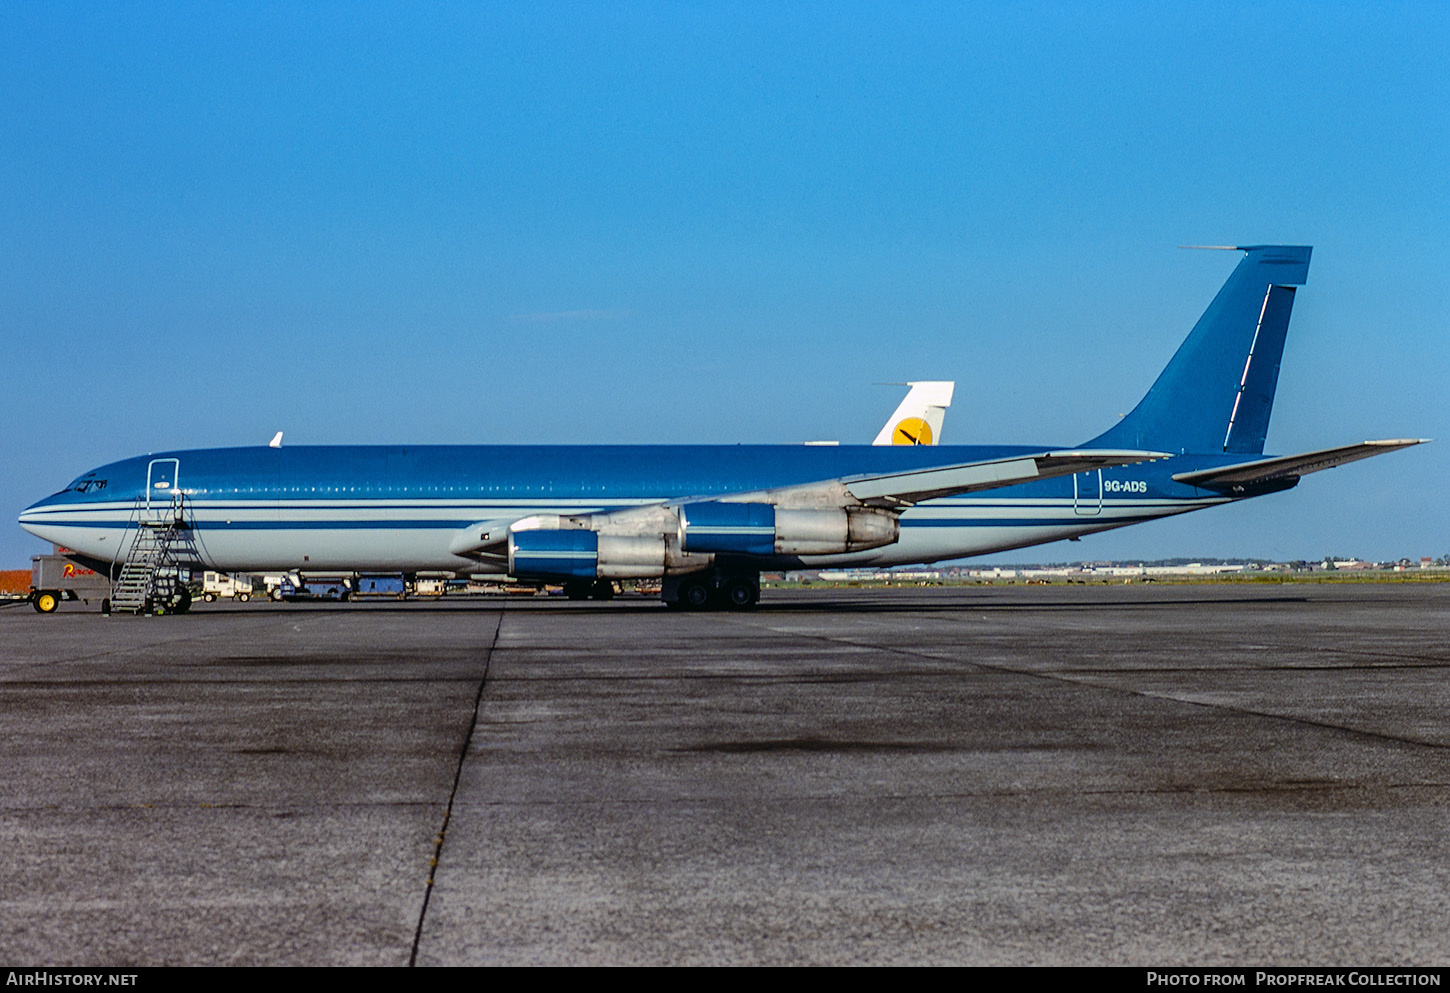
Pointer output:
x,y
918,420
1218,391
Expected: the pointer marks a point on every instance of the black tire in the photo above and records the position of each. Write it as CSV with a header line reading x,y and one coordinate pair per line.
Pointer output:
x,y
577,589
46,601
602,589
739,593
694,594
243,597
209,597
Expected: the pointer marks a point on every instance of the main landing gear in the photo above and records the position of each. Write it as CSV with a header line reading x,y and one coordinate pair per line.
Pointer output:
x,y
583,589
711,591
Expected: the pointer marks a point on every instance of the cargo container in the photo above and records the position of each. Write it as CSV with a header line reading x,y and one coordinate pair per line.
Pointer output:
x,y
391,587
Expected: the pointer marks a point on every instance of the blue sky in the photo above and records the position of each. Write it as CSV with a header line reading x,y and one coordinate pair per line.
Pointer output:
x,y
716,223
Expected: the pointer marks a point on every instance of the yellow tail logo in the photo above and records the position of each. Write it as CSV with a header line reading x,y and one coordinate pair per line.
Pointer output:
x,y
912,431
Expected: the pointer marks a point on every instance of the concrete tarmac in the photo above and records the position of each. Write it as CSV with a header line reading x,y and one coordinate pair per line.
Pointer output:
x,y
1123,775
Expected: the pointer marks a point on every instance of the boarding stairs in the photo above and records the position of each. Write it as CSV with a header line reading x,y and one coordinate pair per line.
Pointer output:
x,y
149,577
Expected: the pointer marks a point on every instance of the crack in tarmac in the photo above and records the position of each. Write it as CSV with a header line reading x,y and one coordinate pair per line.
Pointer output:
x,y
1065,676
853,798
453,792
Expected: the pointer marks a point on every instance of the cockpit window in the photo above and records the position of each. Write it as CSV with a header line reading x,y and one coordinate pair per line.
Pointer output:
x,y
86,484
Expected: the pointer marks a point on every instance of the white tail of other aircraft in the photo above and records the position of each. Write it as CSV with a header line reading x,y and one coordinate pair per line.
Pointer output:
x,y
919,418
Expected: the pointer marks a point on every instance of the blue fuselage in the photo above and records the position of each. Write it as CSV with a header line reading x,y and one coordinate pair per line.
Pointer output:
x,y
398,509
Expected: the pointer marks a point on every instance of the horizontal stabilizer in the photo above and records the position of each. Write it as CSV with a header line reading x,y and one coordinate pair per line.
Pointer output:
x,y
1246,474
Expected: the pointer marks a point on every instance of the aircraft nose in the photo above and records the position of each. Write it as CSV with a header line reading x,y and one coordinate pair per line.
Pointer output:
x,y
34,516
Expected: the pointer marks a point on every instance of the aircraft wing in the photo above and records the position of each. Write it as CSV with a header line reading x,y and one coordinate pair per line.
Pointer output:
x,y
1246,474
903,489
892,491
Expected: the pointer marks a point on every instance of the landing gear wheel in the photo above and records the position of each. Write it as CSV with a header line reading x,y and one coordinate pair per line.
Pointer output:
x,y
739,593
46,602
577,589
694,594
602,589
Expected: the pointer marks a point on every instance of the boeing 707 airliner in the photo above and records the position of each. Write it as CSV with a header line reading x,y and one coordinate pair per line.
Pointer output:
x,y
705,520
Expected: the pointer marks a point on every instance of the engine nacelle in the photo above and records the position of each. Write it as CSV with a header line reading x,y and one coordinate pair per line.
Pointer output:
x,y
548,553
731,528
826,532
762,529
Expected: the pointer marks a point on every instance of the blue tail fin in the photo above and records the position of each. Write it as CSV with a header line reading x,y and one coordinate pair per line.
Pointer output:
x,y
1217,392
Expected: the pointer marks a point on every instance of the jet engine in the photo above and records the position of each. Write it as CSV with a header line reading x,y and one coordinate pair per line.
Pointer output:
x,y
578,554
764,529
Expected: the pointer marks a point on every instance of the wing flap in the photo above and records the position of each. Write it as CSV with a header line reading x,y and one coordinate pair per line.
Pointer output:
x,y
1260,471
